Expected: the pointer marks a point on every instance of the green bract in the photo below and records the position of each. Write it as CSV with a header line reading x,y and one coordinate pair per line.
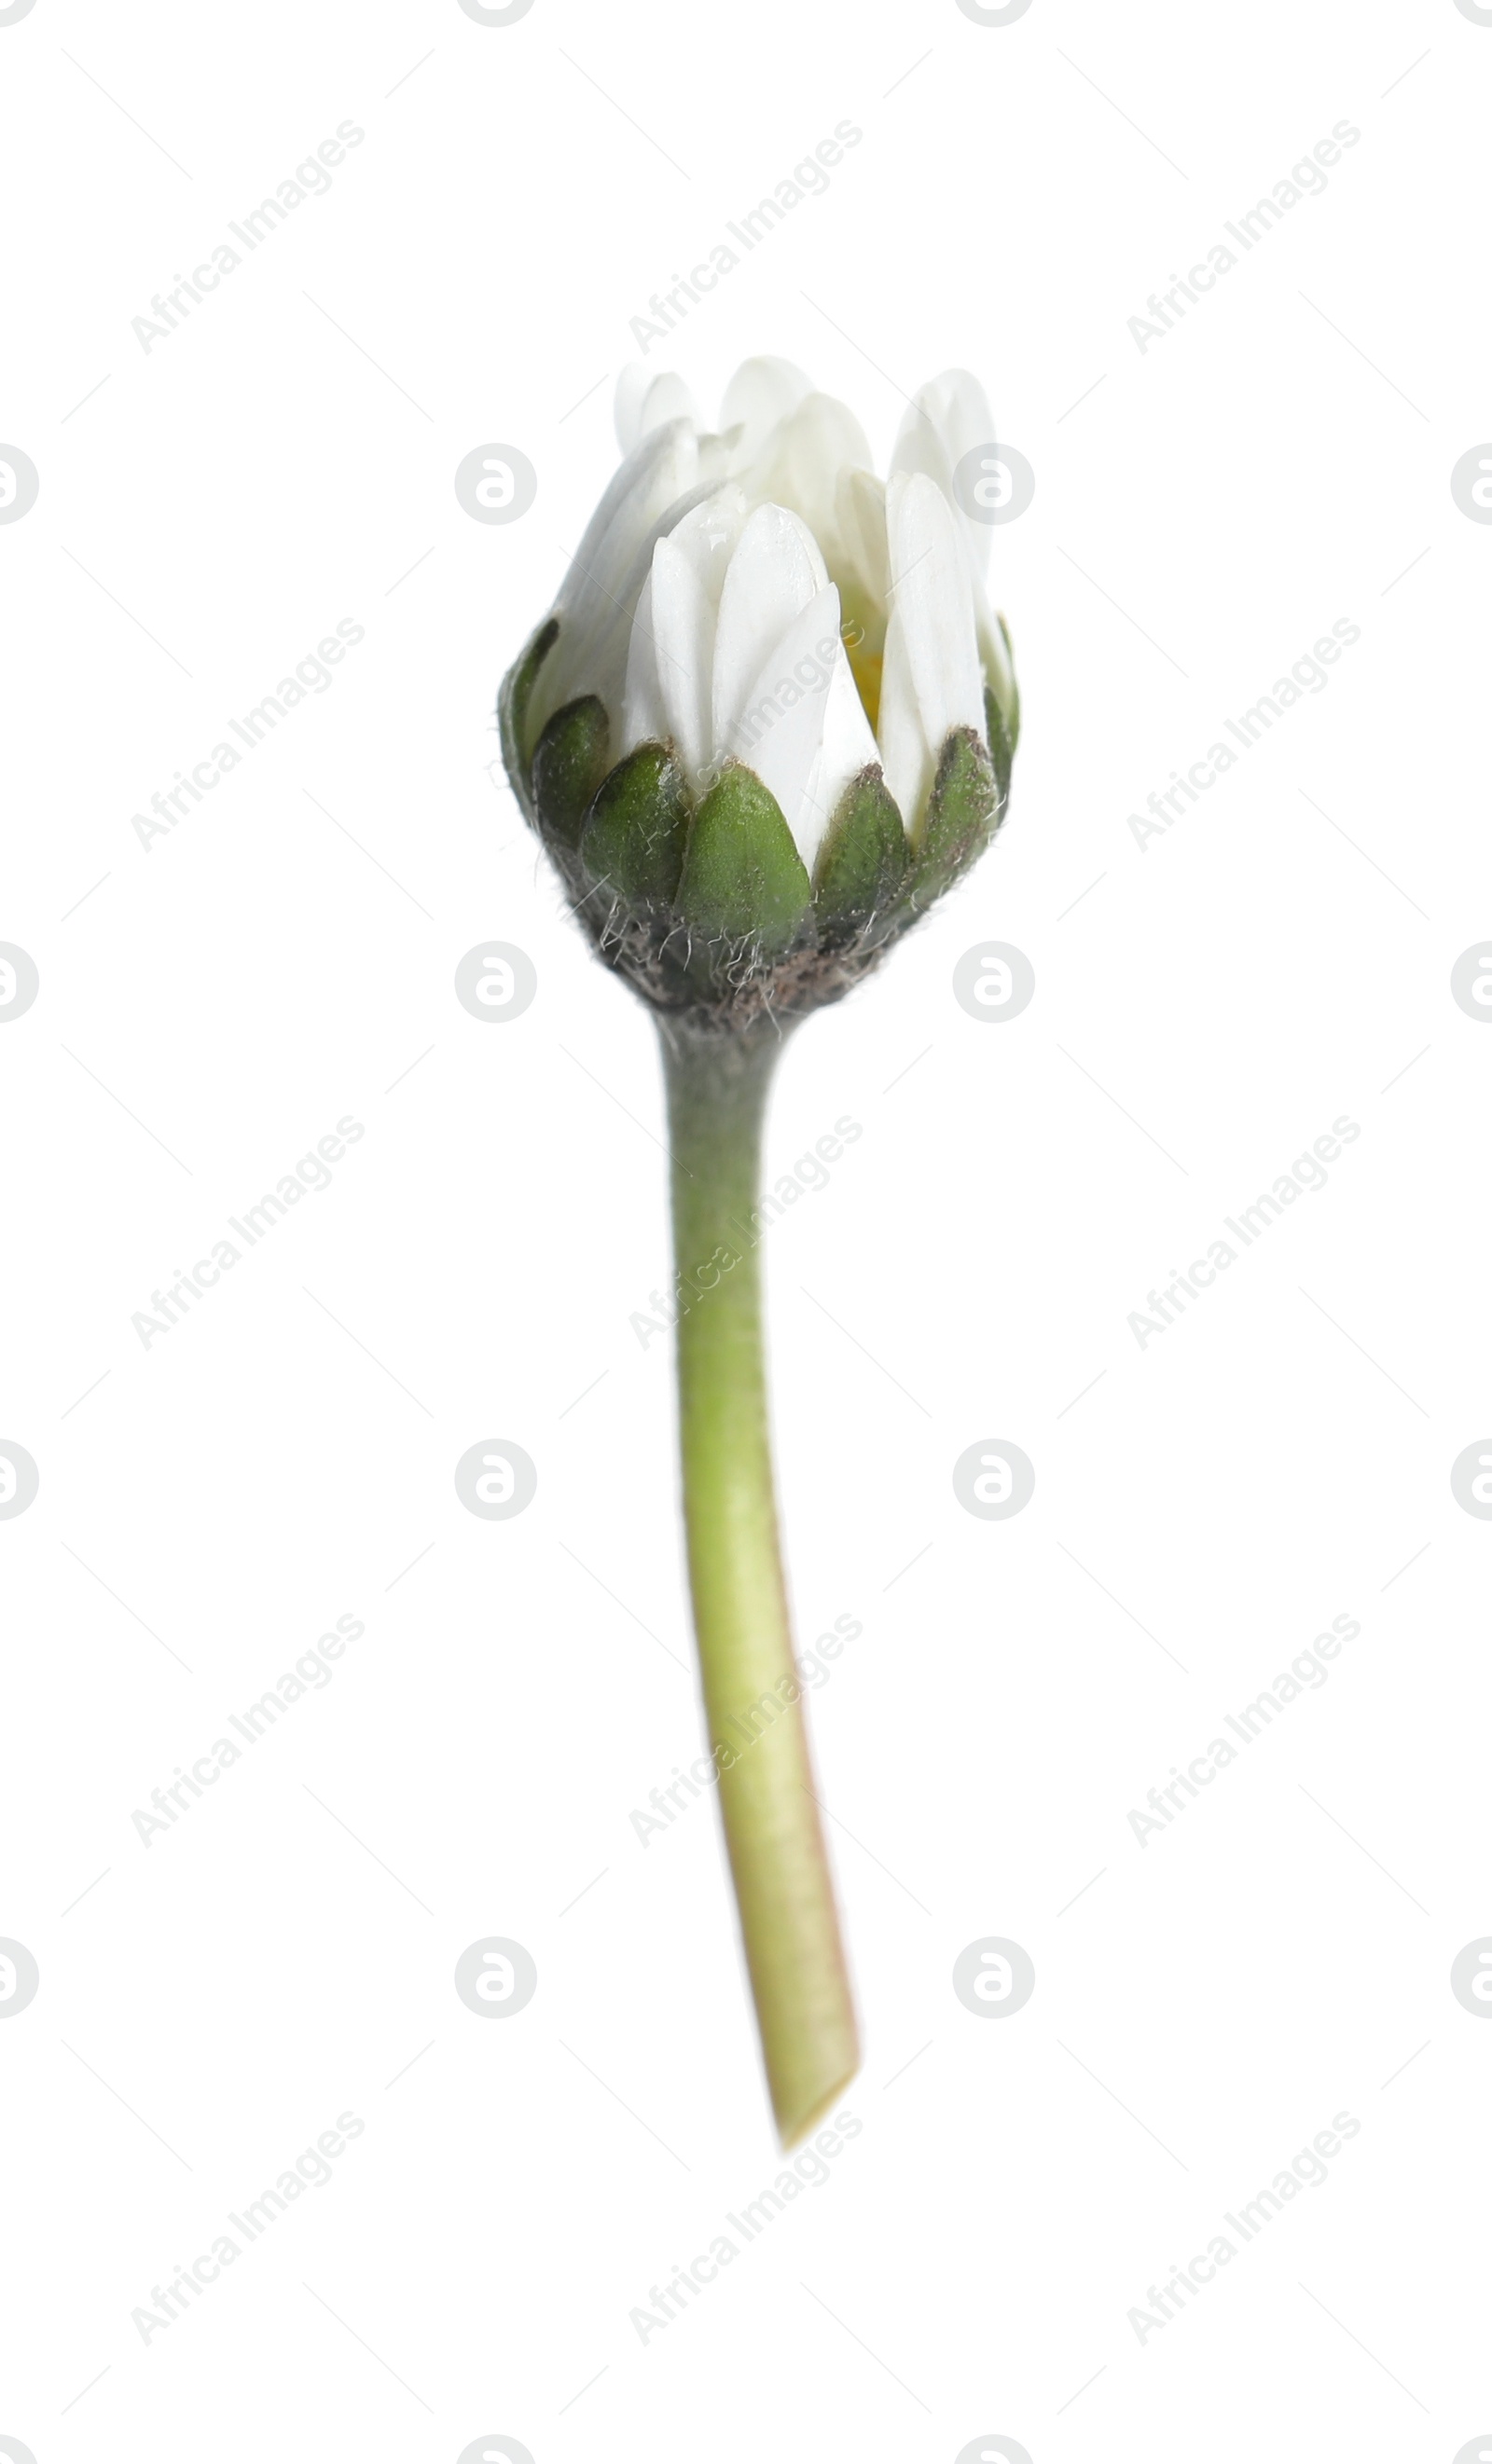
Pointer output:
x,y
702,901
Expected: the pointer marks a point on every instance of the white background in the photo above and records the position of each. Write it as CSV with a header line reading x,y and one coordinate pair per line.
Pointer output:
x,y
1205,509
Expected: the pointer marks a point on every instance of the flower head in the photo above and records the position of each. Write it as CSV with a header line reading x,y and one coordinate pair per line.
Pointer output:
x,y
771,716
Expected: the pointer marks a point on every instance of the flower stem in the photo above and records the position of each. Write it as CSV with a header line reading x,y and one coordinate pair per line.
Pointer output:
x,y
718,1082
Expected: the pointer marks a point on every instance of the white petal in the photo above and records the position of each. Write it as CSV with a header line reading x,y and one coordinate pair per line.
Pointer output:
x,y
805,463
627,404
849,745
949,419
774,573
905,759
683,625
933,596
956,408
861,520
708,536
667,398
920,446
704,537
660,467
644,720
780,733
594,658
610,565
761,394
648,398
715,458
993,657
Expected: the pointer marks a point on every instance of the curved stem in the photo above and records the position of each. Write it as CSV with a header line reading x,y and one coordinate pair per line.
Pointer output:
x,y
718,1085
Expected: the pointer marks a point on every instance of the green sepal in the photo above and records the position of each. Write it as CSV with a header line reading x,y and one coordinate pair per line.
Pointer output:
x,y
570,765
1002,712
513,699
743,878
962,813
863,858
633,842
1002,739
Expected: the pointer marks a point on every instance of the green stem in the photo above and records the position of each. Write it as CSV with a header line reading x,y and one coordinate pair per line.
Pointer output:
x,y
717,1084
